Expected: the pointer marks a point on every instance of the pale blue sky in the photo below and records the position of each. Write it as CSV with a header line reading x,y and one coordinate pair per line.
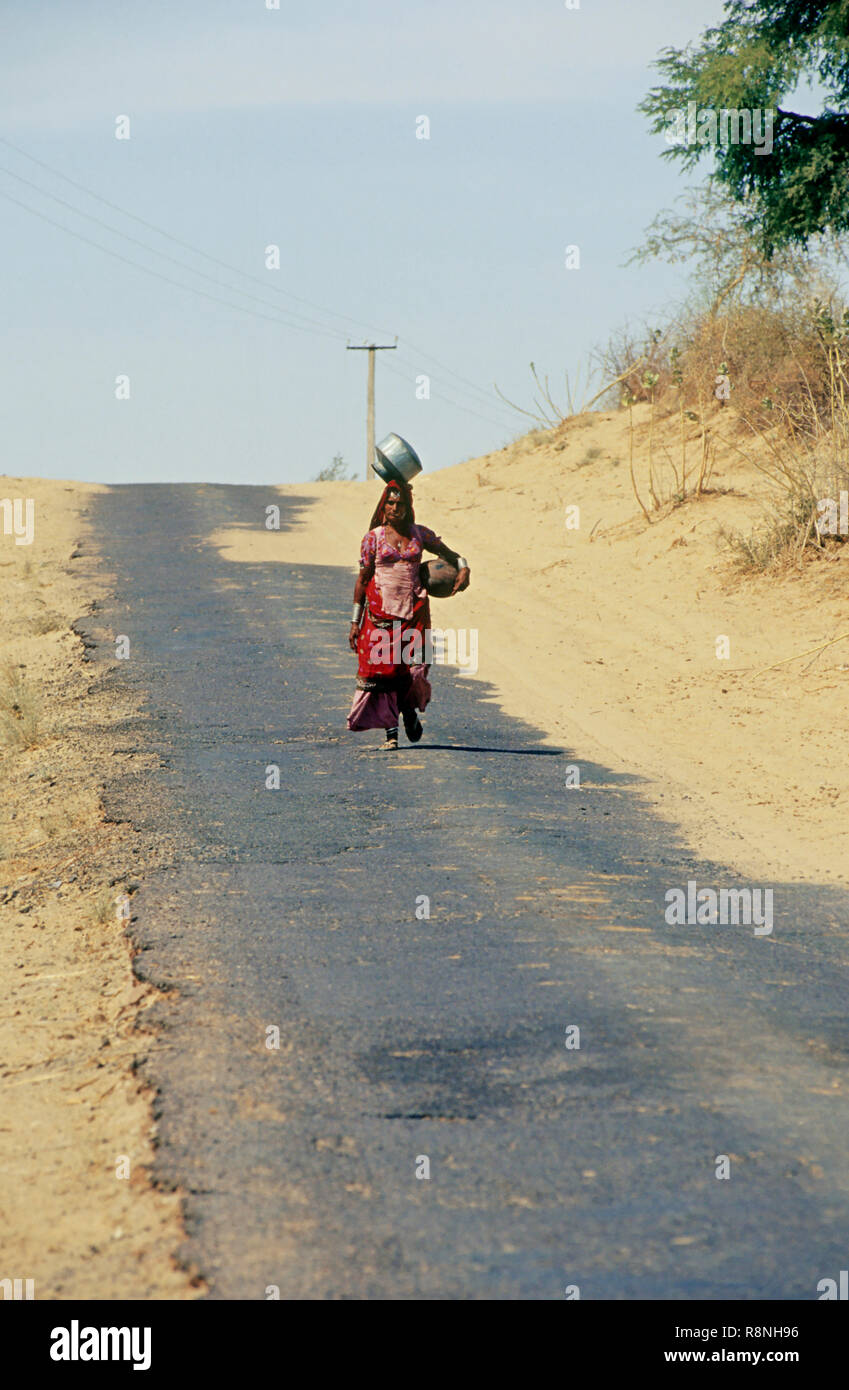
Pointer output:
x,y
297,126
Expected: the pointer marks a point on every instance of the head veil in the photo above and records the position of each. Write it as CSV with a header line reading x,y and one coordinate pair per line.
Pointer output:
x,y
407,495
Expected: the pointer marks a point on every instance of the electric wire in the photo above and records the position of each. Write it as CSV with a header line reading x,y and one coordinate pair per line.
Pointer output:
x,y
234,289
147,270
323,330
486,395
187,246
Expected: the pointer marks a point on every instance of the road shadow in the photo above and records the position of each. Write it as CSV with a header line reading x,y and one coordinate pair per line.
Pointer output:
x,y
475,748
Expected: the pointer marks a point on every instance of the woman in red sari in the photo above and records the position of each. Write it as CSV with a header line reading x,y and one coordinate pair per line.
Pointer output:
x,y
391,620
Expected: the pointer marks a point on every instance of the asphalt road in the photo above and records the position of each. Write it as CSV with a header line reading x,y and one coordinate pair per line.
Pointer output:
x,y
403,1037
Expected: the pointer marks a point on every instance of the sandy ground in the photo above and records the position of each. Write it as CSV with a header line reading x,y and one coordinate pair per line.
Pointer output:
x,y
605,634
77,1213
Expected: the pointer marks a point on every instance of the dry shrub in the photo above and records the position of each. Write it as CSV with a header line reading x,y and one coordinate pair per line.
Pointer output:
x,y
801,444
783,366
20,710
103,907
629,357
46,622
767,353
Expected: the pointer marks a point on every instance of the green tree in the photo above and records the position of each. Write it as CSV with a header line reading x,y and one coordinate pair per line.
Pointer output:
x,y
796,184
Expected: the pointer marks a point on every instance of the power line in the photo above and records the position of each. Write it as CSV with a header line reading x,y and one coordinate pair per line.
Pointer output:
x,y
203,294
146,270
467,410
225,265
489,397
504,422
325,328
319,329
187,246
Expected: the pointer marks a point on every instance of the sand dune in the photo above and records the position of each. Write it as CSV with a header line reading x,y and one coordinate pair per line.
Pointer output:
x,y
606,635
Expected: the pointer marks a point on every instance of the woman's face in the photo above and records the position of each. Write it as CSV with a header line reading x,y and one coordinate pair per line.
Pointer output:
x,y
394,509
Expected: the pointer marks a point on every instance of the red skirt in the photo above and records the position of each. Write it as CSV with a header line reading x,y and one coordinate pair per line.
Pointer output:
x,y
391,669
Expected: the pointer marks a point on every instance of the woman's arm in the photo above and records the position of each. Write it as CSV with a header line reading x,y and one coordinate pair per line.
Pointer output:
x,y
454,558
360,586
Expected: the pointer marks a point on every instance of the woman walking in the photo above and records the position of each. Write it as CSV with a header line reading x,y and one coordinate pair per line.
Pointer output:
x,y
390,627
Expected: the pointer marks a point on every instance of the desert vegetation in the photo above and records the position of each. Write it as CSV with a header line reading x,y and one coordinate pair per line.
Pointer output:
x,y
755,359
20,707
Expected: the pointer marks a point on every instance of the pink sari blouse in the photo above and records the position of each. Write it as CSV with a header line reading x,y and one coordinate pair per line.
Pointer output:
x,y
396,568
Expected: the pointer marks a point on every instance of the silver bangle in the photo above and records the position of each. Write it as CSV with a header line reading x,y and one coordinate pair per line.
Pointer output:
x,y
461,563
357,614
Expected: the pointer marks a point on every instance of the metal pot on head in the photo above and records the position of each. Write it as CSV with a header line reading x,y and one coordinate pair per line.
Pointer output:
x,y
396,460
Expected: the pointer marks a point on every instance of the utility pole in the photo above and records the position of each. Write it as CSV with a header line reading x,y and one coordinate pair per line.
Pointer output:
x,y
371,349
